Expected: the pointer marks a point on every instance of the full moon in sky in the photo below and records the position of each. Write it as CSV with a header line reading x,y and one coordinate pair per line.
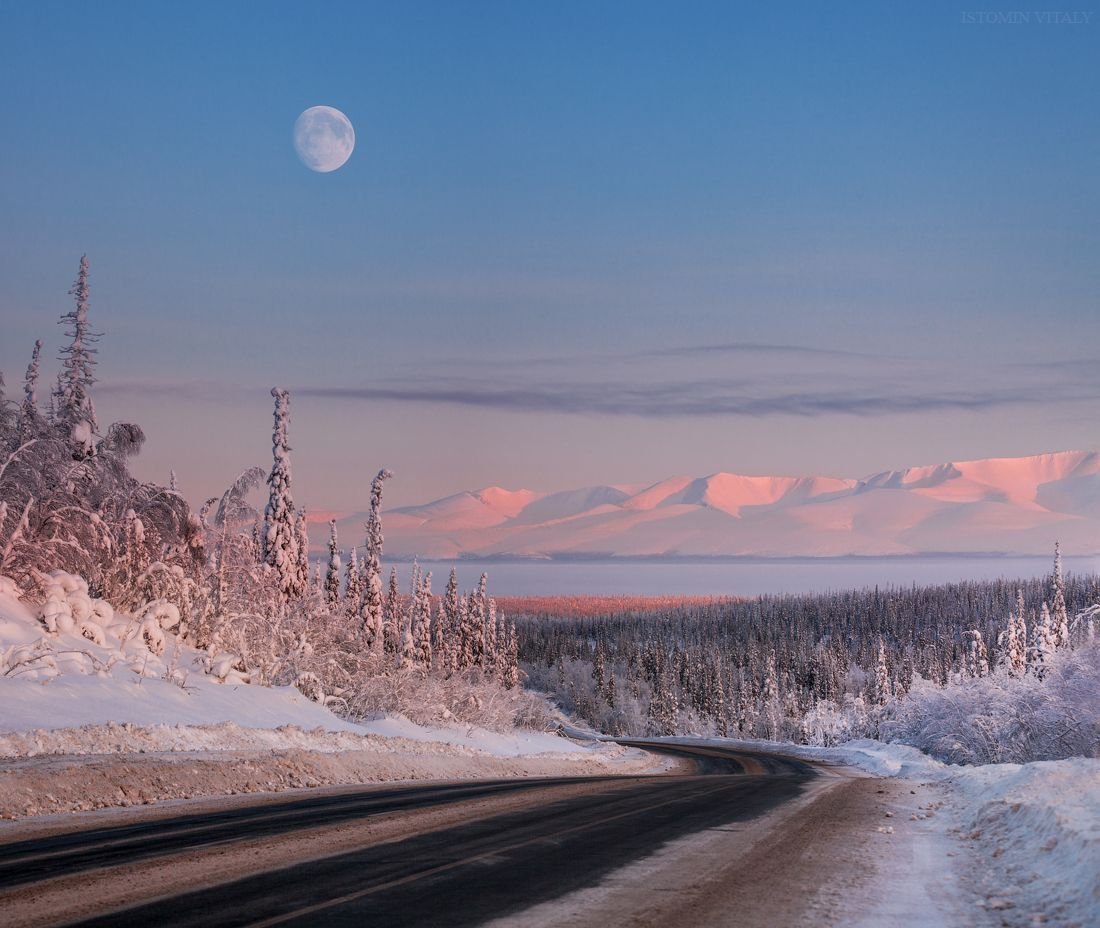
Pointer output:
x,y
324,138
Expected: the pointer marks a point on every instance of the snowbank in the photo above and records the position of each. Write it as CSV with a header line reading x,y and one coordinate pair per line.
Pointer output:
x,y
1035,826
100,708
874,757
36,785
1039,825
74,662
879,759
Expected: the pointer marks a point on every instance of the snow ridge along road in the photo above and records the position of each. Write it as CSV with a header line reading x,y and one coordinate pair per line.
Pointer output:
x,y
519,852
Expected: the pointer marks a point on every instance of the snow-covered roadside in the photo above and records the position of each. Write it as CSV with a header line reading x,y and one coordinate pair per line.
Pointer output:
x,y
102,709
221,739
1027,836
1035,828
47,784
1038,826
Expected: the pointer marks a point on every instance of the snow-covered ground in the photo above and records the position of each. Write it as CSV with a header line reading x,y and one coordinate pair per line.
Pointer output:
x,y
1037,827
101,709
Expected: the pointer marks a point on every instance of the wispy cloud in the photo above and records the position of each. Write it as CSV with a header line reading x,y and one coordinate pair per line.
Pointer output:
x,y
741,348
194,390
700,398
678,352
789,388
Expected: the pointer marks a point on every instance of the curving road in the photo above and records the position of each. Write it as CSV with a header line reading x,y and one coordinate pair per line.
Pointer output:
x,y
524,843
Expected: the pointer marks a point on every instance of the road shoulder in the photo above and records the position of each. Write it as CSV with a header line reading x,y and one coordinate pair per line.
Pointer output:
x,y
847,852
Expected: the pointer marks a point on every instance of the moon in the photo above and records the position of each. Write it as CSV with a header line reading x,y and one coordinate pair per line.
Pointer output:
x,y
324,138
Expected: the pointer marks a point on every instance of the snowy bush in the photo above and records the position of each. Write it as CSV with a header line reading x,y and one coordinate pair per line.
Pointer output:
x,y
1002,719
429,699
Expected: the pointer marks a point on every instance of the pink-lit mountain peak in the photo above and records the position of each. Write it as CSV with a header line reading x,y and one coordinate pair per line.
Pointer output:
x,y
1016,480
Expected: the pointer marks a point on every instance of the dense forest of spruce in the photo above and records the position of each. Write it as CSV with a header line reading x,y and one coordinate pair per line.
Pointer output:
x,y
804,668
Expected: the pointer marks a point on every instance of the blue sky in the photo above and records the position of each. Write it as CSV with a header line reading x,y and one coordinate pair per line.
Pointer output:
x,y
541,196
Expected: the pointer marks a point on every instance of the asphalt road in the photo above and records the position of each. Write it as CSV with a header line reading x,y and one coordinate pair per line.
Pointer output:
x,y
465,874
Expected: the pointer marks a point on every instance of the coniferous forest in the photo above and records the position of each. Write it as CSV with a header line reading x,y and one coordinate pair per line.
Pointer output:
x,y
825,668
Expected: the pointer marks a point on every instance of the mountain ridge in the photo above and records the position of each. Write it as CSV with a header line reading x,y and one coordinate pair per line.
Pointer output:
x,y
983,506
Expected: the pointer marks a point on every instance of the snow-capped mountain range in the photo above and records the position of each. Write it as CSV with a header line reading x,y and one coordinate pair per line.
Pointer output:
x,y
992,506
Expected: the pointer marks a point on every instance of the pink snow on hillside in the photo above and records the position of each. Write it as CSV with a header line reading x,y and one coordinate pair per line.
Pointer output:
x,y
991,506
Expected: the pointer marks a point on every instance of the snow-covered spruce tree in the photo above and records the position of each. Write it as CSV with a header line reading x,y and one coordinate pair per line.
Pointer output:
x,y
394,617
1014,640
353,586
1042,643
67,489
405,623
719,707
599,669
74,408
663,710
303,554
30,419
511,656
8,436
280,537
478,622
473,632
372,609
421,630
332,577
447,628
883,688
1059,616
502,645
977,658
492,655
769,713
458,655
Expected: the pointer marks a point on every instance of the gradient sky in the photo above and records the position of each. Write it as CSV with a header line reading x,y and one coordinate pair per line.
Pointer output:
x,y
576,243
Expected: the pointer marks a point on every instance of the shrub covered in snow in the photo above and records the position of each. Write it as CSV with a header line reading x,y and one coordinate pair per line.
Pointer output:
x,y
1005,719
70,631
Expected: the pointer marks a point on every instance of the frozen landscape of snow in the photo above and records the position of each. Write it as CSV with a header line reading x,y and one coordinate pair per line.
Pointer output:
x,y
724,377
149,652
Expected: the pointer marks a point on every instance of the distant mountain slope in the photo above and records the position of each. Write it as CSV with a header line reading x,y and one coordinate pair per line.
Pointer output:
x,y
998,505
